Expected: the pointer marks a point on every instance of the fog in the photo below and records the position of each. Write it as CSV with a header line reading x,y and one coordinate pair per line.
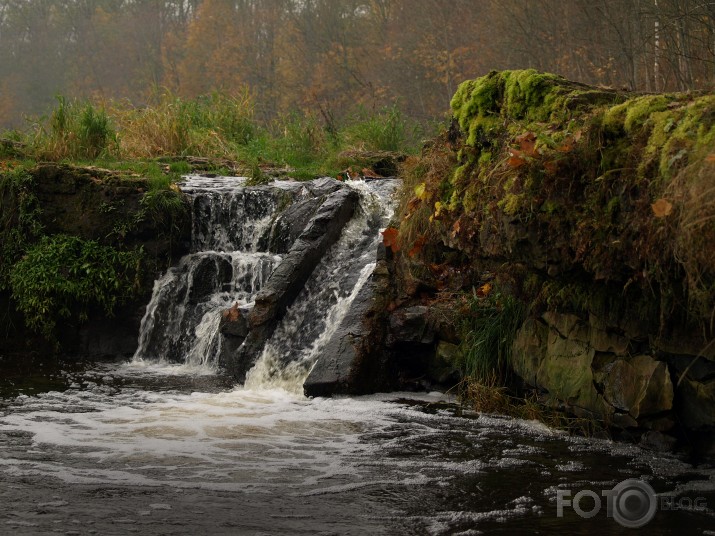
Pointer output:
x,y
328,56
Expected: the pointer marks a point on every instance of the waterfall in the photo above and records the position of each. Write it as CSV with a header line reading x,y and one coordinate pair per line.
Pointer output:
x,y
182,319
230,262
228,265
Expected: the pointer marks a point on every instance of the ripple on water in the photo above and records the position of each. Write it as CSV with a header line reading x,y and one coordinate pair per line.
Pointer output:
x,y
223,460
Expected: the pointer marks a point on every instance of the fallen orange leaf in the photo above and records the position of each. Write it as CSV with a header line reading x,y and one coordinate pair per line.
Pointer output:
x,y
662,208
551,167
389,239
484,290
456,227
516,159
418,245
527,143
567,146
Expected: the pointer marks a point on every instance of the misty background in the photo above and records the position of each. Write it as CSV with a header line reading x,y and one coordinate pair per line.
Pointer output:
x,y
328,56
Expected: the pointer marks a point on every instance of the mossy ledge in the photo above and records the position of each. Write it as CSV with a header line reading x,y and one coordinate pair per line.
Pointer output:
x,y
595,209
81,247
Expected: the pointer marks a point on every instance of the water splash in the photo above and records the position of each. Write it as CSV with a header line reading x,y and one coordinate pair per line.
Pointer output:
x,y
317,312
229,264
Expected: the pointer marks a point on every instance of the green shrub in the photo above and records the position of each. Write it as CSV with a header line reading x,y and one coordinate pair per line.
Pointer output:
x,y
19,220
63,276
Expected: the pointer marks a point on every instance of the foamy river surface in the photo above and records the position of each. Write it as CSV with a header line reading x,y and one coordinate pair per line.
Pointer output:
x,y
153,449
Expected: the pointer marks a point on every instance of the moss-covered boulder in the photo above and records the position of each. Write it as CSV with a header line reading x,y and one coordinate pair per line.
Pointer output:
x,y
593,207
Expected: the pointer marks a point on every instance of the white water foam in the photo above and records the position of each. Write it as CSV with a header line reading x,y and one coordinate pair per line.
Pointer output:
x,y
316,314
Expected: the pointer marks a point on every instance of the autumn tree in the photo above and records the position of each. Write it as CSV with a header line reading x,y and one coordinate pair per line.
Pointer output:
x,y
329,56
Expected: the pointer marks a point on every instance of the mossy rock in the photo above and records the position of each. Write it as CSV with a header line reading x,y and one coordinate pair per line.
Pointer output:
x,y
591,204
481,106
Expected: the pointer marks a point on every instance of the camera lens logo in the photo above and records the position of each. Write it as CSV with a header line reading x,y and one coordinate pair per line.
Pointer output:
x,y
632,503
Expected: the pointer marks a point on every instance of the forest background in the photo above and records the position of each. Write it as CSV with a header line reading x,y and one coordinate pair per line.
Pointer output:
x,y
328,57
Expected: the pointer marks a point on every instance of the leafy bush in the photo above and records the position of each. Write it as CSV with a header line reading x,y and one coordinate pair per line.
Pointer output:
x,y
19,220
63,276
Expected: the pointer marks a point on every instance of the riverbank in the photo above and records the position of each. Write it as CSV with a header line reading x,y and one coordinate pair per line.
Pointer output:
x,y
559,237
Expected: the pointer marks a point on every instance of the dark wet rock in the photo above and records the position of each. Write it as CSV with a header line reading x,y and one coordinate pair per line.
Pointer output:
x,y
566,373
290,224
664,423
530,350
657,441
639,385
444,367
411,324
695,368
323,186
696,403
234,323
352,361
208,276
623,420
233,328
583,365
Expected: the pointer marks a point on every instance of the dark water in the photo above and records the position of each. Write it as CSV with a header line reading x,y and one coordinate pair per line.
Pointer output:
x,y
133,448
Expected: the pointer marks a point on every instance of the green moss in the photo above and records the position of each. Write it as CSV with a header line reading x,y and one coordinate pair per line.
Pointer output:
x,y
550,207
526,94
613,207
694,130
530,94
481,106
631,115
485,158
511,203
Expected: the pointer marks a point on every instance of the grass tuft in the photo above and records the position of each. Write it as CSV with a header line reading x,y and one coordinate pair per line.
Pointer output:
x,y
490,397
488,332
75,130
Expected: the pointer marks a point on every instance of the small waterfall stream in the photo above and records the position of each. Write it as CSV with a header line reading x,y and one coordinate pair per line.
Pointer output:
x,y
231,261
318,310
226,267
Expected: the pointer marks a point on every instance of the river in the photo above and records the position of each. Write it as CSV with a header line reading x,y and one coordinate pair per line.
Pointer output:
x,y
118,448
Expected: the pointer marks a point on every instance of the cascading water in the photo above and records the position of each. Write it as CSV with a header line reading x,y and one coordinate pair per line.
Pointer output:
x,y
229,264
309,323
